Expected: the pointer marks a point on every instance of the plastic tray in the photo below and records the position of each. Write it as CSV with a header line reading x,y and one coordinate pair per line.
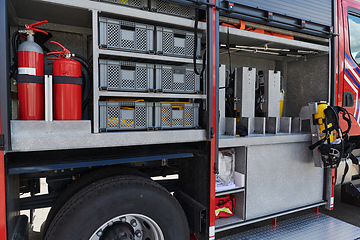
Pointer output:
x,y
176,42
176,79
172,8
176,115
126,116
126,76
124,35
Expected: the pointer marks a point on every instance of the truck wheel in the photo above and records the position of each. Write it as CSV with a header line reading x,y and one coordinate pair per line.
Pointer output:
x,y
120,207
84,181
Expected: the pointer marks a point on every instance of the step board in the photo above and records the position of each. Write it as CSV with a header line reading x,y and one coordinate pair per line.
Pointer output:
x,y
309,226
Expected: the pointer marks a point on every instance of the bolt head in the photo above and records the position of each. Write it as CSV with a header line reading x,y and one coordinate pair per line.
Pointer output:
x,y
133,223
99,233
138,233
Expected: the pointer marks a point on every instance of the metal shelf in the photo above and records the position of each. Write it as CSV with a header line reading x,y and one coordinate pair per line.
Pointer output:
x,y
143,56
260,139
247,38
43,142
222,222
126,11
149,95
231,191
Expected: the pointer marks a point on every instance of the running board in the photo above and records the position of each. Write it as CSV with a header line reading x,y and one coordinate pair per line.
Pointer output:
x,y
309,226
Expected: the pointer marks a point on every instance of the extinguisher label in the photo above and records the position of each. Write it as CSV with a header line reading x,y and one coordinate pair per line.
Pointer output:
x,y
27,70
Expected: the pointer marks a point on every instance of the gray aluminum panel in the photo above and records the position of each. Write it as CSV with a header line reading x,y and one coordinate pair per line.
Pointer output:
x,y
23,128
257,139
309,226
281,177
113,139
314,10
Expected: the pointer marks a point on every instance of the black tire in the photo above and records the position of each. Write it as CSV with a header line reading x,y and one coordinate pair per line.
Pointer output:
x,y
108,198
81,183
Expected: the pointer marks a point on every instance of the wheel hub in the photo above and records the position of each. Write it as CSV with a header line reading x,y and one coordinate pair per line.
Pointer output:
x,y
129,227
118,231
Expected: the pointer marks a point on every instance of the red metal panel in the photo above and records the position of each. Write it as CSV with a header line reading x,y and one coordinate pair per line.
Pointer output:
x,y
213,144
2,195
348,77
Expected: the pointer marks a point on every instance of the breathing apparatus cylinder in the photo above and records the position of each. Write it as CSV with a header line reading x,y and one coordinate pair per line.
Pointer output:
x,y
320,119
30,77
67,86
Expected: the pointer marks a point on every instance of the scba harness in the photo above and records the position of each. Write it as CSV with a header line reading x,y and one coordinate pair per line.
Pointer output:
x,y
333,152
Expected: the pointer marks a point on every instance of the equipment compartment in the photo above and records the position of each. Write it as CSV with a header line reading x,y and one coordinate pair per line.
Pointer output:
x,y
125,35
126,115
176,42
126,76
177,79
176,115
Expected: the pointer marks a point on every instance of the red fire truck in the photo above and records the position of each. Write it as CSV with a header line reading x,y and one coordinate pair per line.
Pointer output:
x,y
102,99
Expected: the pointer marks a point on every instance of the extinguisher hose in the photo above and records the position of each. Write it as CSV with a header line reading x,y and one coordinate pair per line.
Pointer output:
x,y
88,80
14,45
83,59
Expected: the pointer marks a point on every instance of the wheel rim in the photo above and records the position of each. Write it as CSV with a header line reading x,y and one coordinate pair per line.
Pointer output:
x,y
143,227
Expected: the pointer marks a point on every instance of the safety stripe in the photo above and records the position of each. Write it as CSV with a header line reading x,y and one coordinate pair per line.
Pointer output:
x,y
357,96
223,209
352,76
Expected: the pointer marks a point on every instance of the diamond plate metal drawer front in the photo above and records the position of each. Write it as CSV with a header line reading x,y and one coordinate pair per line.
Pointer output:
x,y
126,116
176,115
133,3
176,42
124,35
172,8
176,79
126,76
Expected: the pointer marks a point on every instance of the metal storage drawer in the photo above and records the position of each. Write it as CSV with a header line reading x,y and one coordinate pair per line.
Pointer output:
x,y
176,115
177,79
126,115
172,8
126,76
176,42
124,35
143,4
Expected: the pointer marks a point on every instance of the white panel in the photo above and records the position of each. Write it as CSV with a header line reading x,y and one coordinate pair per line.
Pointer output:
x,y
272,93
245,78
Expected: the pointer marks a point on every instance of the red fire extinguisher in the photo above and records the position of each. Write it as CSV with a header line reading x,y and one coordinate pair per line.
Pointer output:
x,y
67,86
30,77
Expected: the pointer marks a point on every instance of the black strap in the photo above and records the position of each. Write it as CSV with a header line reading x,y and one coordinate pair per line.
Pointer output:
x,y
67,80
318,143
345,172
24,78
354,159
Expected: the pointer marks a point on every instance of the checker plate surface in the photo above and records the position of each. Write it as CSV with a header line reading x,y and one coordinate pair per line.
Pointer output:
x,y
309,227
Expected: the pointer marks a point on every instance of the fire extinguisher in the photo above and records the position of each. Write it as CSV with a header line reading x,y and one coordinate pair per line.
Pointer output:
x,y
67,85
30,76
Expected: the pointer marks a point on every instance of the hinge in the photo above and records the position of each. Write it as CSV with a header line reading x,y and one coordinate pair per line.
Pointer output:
x,y
2,141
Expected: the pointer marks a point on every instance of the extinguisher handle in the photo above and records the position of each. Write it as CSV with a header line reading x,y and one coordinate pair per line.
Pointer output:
x,y
62,53
33,25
